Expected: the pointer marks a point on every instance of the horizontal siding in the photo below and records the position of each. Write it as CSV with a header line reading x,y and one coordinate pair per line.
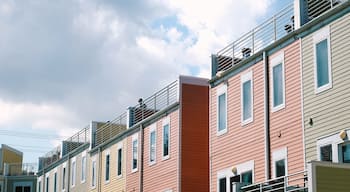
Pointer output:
x,y
241,143
115,183
132,178
286,124
163,174
330,110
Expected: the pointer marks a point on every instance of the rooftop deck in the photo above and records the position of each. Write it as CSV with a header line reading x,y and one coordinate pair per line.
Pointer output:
x,y
267,33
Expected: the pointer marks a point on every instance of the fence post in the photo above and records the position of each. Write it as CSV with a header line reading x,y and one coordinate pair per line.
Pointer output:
x,y
274,28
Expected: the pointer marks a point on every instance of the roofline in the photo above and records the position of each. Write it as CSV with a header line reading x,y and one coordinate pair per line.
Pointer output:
x,y
4,146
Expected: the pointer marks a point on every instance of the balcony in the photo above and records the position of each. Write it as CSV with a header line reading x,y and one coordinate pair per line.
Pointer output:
x,y
267,33
145,108
80,138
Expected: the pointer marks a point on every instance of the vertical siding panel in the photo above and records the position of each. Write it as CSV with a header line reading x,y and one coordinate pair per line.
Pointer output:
x,y
329,109
194,138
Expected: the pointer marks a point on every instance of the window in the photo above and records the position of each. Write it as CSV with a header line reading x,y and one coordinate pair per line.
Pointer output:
x,y
166,139
246,98
83,169
280,162
93,173
21,188
222,110
63,178
55,182
134,152
47,183
326,153
120,159
73,173
345,153
247,177
280,168
222,184
322,60
152,145
278,86
39,186
107,167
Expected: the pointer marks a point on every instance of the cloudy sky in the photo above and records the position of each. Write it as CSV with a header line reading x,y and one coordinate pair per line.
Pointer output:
x,y
64,63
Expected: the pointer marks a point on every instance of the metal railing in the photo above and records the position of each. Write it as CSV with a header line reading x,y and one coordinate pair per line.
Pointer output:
x,y
254,41
80,138
20,169
108,130
158,101
146,108
293,182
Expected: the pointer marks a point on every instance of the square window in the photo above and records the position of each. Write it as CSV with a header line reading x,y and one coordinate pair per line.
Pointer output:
x,y
247,177
280,168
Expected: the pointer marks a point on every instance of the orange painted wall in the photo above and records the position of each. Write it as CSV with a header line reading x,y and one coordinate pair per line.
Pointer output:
x,y
286,124
241,143
195,138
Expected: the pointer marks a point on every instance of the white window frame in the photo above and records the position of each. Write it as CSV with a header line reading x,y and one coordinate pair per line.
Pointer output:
x,y
333,140
107,153
322,34
64,181
93,176
279,59
73,172
244,78
39,184
47,182
119,147
278,155
227,173
221,90
55,180
83,167
153,129
165,122
135,137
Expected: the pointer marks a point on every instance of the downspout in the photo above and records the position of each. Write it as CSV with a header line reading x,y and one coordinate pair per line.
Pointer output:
x,y
267,117
142,155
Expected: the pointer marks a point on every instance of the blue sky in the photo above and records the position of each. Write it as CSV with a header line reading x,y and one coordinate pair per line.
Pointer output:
x,y
65,63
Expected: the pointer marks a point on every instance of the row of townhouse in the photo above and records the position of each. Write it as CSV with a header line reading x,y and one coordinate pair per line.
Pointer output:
x,y
161,144
273,117
279,101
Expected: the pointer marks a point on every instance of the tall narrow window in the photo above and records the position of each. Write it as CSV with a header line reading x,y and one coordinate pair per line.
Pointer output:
x,y
278,86
107,167
73,172
322,60
246,98
134,153
345,153
222,109
119,163
93,173
55,182
83,169
47,183
152,145
64,178
39,186
222,184
166,138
